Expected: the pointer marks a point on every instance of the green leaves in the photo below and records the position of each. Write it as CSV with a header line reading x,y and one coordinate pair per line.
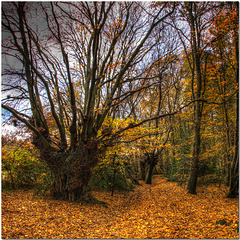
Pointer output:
x,y
22,168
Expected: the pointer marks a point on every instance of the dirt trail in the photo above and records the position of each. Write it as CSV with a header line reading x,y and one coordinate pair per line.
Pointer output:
x,y
161,210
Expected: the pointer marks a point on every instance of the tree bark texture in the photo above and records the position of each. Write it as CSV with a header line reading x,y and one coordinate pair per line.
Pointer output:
x,y
72,170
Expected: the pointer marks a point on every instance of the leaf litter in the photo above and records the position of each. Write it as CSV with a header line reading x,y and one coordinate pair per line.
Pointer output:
x,y
163,210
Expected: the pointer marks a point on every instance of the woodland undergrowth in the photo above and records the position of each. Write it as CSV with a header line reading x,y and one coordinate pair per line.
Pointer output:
x,y
161,210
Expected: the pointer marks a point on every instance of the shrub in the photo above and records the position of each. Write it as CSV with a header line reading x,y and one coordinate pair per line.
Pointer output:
x,y
107,176
22,168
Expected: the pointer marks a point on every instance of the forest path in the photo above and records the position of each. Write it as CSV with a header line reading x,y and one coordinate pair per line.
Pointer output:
x,y
161,210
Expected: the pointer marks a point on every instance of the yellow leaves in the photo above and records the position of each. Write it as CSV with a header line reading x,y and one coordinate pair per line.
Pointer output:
x,y
163,210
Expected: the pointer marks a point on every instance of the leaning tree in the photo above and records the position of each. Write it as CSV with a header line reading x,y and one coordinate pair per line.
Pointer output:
x,y
65,66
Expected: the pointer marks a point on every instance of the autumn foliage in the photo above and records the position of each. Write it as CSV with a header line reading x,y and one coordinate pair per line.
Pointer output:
x,y
161,210
130,119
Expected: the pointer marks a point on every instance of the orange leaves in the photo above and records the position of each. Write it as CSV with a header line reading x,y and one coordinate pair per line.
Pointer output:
x,y
108,35
161,210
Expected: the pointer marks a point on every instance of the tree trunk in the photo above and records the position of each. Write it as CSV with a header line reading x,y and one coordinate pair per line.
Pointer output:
x,y
72,171
234,178
192,181
131,175
198,107
151,162
12,179
150,172
143,169
234,173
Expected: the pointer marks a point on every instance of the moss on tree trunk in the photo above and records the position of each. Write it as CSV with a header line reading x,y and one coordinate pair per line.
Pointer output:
x,y
72,170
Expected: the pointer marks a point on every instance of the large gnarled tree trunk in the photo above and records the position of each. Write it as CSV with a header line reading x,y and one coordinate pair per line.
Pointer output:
x,y
74,172
71,63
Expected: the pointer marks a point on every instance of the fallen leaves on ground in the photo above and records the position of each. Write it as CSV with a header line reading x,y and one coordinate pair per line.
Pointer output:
x,y
161,210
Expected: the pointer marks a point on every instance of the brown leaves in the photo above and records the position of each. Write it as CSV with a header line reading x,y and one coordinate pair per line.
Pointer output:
x,y
160,210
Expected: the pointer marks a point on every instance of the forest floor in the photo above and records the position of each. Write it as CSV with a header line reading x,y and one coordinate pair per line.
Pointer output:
x,y
161,210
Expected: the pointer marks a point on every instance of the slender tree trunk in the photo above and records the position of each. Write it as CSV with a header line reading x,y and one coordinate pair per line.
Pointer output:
x,y
150,172
114,173
131,174
12,179
143,169
234,174
227,145
192,181
195,34
234,177
234,171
